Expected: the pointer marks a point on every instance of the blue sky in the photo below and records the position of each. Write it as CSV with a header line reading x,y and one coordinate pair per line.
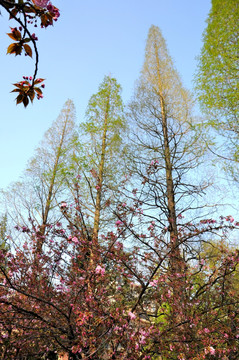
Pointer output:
x,y
91,39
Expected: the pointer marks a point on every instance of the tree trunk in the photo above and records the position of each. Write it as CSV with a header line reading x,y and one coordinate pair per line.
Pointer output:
x,y
100,176
172,218
46,210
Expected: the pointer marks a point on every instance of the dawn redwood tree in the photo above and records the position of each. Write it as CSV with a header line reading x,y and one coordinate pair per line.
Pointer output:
x,y
27,14
217,76
101,146
165,144
37,198
217,82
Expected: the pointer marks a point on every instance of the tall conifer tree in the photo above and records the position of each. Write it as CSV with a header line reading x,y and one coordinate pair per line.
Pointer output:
x,y
166,145
39,192
217,81
101,153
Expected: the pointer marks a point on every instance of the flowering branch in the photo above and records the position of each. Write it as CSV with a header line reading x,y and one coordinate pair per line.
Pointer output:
x,y
31,11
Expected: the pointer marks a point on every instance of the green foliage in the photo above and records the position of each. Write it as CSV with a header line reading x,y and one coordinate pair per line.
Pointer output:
x,y
159,78
103,135
162,316
43,183
99,157
164,132
214,253
106,102
217,79
3,232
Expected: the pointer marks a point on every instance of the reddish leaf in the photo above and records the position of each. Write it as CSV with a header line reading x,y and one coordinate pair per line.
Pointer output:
x,y
46,19
38,91
29,9
22,84
13,13
28,50
11,48
15,34
25,101
12,36
38,81
18,34
9,5
31,94
19,98
18,50
16,90
14,48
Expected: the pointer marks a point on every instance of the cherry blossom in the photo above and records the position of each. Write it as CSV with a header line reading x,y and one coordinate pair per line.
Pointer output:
x,y
41,3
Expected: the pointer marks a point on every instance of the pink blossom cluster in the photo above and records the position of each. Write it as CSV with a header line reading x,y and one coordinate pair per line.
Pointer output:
x,y
229,218
75,240
131,315
153,282
100,270
154,162
210,350
151,226
208,221
47,5
63,205
41,3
